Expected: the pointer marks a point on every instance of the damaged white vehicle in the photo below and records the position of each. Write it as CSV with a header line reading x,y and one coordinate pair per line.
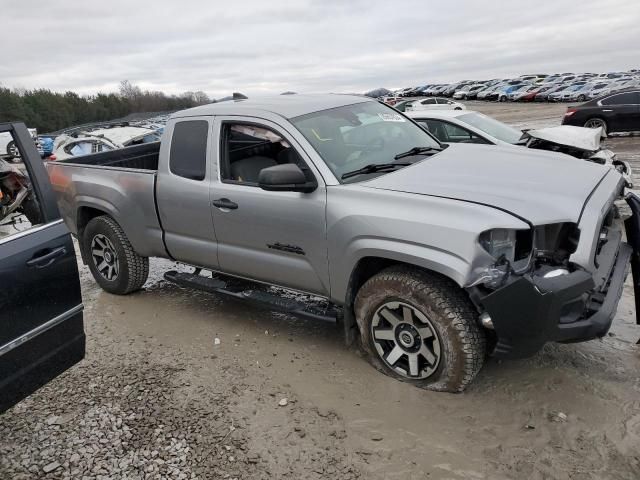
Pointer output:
x,y
101,140
8,147
578,142
455,126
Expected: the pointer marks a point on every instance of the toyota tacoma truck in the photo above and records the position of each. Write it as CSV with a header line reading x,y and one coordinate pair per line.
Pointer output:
x,y
435,256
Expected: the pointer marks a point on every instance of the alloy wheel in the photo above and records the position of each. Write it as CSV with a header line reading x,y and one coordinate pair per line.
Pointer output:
x,y
406,340
596,123
12,150
105,257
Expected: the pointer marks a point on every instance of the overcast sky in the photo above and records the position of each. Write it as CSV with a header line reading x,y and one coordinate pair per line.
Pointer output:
x,y
306,46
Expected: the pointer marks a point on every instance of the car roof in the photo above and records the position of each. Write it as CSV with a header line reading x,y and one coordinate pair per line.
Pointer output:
x,y
118,135
287,106
444,114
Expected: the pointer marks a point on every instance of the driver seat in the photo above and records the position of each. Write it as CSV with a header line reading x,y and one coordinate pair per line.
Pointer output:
x,y
248,169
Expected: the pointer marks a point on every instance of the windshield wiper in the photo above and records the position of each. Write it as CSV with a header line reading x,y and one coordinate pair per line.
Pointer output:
x,y
418,151
375,167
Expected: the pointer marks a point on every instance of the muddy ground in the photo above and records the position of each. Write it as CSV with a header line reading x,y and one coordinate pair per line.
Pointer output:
x,y
159,397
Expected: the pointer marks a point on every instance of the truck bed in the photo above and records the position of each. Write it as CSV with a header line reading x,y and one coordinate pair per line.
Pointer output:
x,y
119,183
139,157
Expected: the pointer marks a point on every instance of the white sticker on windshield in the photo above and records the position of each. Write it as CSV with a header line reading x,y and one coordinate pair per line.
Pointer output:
x,y
391,117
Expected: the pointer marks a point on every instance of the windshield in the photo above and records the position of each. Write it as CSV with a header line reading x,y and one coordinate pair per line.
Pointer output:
x,y
354,136
492,126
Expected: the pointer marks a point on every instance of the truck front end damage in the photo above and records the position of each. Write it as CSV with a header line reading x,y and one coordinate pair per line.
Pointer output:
x,y
567,286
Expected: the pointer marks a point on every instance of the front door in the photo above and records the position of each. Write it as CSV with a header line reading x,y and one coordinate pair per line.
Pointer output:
x,y
41,325
275,237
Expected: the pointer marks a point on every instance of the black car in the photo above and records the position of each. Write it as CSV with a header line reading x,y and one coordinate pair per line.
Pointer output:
x,y
616,112
41,321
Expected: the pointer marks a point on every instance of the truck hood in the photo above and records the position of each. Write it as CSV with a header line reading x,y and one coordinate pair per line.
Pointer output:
x,y
541,187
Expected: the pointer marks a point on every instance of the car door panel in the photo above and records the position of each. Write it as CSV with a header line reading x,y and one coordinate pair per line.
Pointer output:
x,y
183,202
621,111
275,237
41,320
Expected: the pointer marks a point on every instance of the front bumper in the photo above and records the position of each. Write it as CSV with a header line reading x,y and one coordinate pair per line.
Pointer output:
x,y
580,306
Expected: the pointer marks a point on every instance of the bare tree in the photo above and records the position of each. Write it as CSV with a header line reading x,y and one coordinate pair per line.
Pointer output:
x,y
201,98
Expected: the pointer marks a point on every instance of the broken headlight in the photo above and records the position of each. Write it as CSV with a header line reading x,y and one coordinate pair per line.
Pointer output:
x,y
511,250
507,245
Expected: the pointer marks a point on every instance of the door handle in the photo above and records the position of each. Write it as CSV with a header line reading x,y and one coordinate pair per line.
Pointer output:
x,y
225,204
46,259
607,110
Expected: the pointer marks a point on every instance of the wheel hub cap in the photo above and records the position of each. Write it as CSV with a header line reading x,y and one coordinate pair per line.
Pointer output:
x,y
104,257
406,340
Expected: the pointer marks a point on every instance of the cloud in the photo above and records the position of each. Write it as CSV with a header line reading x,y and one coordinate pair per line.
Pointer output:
x,y
307,46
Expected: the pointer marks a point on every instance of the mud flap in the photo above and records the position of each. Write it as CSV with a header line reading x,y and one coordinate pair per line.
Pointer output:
x,y
632,227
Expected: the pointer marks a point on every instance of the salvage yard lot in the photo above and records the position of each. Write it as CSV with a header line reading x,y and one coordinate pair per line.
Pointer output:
x,y
278,397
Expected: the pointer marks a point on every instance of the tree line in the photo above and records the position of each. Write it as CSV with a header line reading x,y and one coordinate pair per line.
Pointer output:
x,y
50,111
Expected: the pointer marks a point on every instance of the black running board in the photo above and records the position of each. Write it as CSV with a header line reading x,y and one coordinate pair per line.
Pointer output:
x,y
254,293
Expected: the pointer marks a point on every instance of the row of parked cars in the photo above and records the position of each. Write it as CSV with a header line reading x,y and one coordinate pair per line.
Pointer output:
x,y
559,87
86,139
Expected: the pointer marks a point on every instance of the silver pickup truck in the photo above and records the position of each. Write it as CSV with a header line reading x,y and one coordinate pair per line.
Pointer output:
x,y
434,255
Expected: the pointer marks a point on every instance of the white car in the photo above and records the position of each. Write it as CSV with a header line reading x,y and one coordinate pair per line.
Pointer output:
x,y
434,103
455,126
8,147
101,140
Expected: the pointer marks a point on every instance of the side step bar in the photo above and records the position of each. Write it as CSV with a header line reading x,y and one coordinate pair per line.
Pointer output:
x,y
254,293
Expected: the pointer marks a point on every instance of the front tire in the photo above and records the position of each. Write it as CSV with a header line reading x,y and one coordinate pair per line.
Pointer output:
x,y
112,260
420,328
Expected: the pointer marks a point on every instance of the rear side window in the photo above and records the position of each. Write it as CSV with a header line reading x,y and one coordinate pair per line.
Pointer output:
x,y
188,157
629,98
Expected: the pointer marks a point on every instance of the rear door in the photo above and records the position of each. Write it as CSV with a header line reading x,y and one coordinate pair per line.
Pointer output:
x,y
41,324
182,192
621,111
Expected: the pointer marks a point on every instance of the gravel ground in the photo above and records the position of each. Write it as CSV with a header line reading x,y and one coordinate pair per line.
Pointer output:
x,y
180,384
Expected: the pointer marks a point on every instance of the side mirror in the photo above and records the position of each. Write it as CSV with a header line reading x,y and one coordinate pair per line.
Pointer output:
x,y
285,178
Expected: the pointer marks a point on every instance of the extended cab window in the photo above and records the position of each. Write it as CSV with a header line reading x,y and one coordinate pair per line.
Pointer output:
x,y
188,157
248,148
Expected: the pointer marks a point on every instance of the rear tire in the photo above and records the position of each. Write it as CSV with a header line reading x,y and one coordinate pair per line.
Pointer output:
x,y
596,122
12,151
112,260
420,328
